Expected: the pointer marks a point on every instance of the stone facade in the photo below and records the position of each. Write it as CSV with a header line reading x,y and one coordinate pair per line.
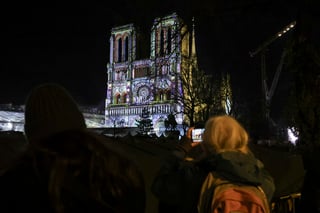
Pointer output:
x,y
154,83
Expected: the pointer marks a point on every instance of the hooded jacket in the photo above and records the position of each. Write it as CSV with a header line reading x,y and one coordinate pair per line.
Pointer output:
x,y
179,182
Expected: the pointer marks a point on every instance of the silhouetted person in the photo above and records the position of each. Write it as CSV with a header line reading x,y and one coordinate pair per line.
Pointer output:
x,y
12,145
225,152
67,168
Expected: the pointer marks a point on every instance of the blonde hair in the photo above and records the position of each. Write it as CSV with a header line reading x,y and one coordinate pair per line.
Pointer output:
x,y
224,133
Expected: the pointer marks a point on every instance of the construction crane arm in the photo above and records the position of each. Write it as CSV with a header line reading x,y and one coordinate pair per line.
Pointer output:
x,y
276,75
273,38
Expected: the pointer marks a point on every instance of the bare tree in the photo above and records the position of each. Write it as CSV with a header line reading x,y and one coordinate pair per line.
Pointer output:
x,y
194,83
215,96
202,95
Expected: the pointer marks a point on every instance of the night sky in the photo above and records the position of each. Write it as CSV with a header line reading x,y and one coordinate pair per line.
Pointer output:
x,y
68,43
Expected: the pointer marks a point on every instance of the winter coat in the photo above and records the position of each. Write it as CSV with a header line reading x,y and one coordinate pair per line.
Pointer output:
x,y
84,176
178,183
22,189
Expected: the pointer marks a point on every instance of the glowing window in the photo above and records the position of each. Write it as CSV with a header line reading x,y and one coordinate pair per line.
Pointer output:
x,y
119,49
161,43
126,50
169,45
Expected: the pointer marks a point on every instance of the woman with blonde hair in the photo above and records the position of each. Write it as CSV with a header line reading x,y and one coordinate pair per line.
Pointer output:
x,y
225,152
224,133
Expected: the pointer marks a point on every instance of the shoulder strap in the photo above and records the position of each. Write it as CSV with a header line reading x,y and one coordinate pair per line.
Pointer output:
x,y
212,181
264,199
207,191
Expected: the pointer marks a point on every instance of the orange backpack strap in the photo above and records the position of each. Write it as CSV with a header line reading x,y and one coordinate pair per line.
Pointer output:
x,y
207,192
217,193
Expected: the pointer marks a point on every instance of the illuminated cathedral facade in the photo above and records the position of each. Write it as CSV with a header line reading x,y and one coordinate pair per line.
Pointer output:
x,y
152,83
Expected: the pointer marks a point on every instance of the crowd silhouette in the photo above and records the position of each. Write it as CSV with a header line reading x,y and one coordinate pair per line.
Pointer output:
x,y
66,167
61,166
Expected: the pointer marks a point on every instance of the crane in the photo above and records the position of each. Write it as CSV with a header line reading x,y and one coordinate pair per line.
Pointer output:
x,y
268,93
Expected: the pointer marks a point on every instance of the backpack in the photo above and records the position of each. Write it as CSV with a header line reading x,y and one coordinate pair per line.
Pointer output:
x,y
218,195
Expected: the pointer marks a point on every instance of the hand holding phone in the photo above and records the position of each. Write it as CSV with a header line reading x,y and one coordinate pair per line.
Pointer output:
x,y
197,134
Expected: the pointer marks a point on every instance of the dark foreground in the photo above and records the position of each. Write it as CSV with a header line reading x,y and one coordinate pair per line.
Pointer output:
x,y
286,168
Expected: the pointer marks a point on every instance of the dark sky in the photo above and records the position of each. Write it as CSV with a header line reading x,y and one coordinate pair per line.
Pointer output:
x,y
68,43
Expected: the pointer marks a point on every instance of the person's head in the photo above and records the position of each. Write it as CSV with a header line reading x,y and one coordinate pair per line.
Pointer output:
x,y
82,173
224,133
50,110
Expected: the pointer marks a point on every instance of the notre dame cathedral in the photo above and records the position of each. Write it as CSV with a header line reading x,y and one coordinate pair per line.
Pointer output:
x,y
135,84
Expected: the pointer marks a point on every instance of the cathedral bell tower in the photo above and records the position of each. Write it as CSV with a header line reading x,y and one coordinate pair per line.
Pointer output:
x,y
153,83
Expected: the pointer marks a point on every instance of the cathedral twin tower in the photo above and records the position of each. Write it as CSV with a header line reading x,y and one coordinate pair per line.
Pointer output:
x,y
134,84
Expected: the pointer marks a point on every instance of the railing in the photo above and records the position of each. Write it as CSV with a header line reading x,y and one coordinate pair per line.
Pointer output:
x,y
286,204
165,108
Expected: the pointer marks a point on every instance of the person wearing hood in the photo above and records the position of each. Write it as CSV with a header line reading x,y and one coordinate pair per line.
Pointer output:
x,y
224,150
66,167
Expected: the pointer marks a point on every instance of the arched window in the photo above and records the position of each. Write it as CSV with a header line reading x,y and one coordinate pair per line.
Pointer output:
x,y
157,96
161,95
161,43
116,98
117,75
168,94
169,45
126,49
119,49
124,98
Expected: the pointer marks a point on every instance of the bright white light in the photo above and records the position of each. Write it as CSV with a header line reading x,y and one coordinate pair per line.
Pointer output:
x,y
8,126
291,137
291,25
279,34
228,106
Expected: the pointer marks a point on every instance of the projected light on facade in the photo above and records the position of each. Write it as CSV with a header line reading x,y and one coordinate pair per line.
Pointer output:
x,y
134,84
